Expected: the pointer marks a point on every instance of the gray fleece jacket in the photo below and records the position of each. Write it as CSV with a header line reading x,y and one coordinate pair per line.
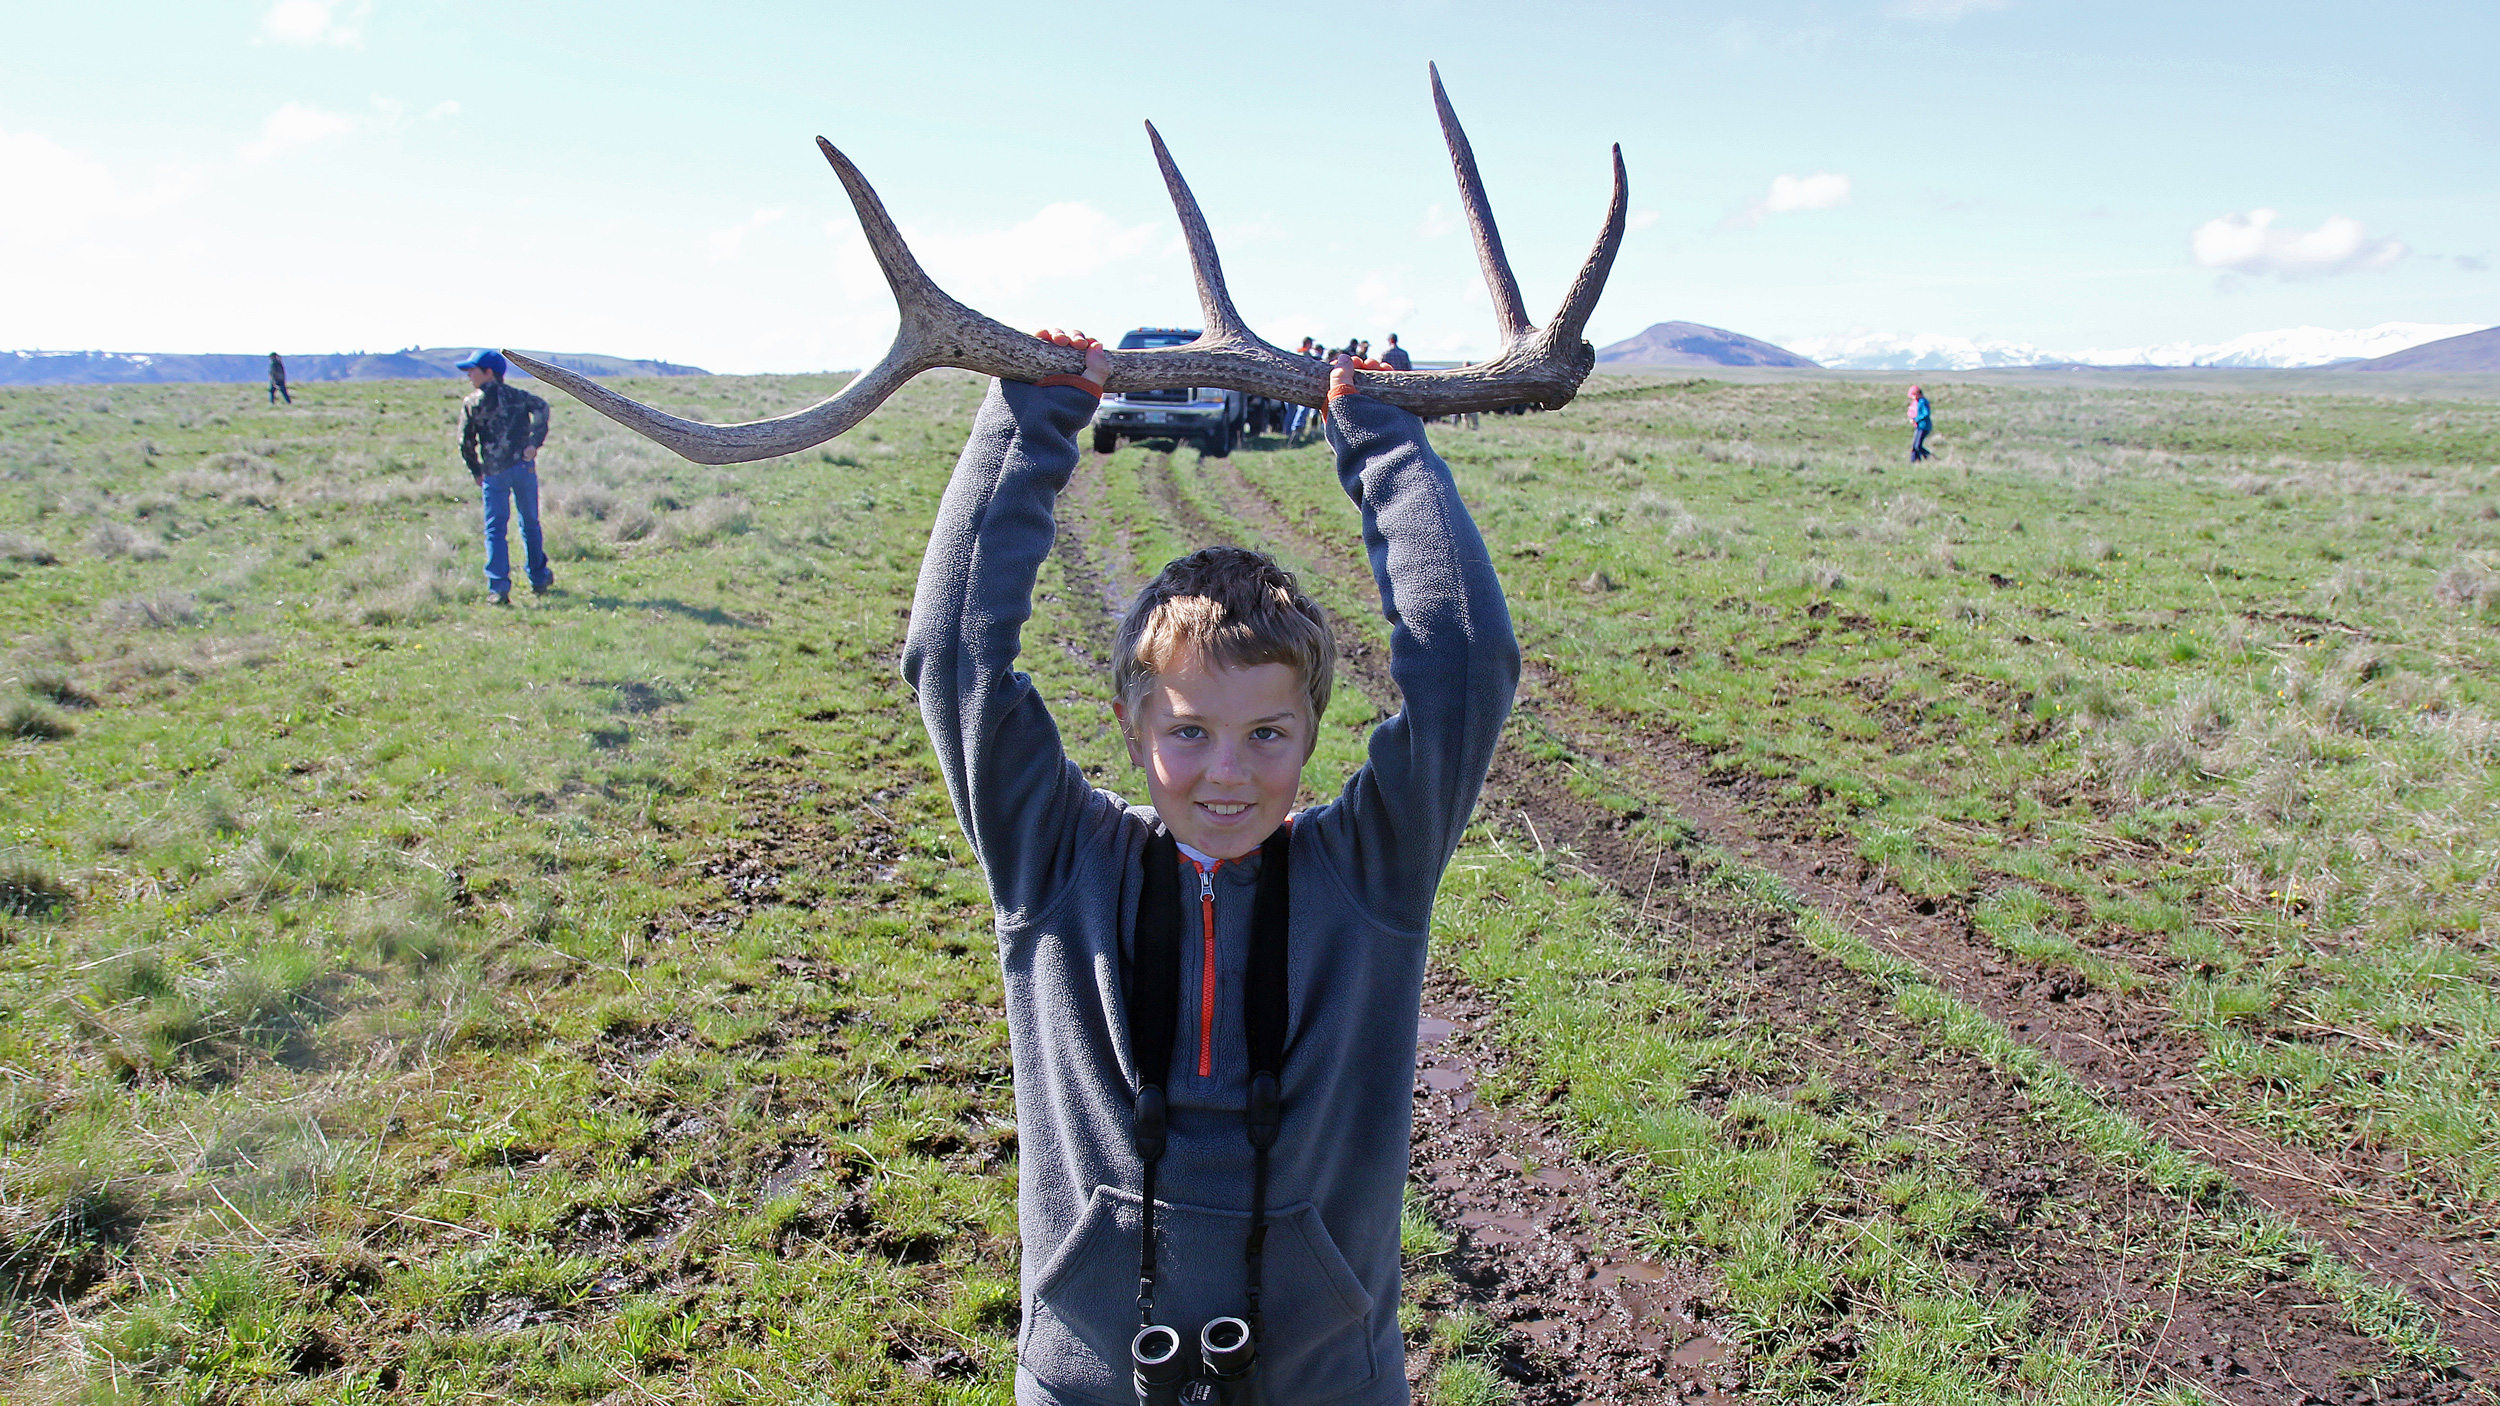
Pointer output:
x,y
1064,863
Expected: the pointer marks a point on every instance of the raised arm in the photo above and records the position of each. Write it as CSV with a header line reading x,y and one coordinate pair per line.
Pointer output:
x,y
1450,649
1015,791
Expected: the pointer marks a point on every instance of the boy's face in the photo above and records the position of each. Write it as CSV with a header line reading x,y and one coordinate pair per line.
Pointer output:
x,y
1222,750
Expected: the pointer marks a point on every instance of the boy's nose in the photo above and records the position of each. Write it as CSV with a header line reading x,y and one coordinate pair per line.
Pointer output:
x,y
1227,764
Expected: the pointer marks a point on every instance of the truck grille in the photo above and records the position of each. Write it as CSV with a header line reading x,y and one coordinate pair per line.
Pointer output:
x,y
1156,397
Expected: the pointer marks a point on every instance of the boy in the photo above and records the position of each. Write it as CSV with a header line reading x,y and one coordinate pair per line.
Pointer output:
x,y
1134,1012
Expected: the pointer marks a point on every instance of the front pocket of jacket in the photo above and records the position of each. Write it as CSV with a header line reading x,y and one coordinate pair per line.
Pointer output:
x,y
1318,1343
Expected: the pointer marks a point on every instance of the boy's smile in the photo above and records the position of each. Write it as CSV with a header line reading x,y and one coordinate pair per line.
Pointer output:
x,y
1222,750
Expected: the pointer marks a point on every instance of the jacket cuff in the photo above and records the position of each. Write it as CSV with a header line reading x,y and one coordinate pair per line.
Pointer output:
x,y
1065,408
1358,422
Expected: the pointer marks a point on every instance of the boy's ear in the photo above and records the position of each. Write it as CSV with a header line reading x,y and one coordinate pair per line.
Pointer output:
x,y
1128,733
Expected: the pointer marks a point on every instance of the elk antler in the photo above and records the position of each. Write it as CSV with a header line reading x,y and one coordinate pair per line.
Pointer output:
x,y
1543,367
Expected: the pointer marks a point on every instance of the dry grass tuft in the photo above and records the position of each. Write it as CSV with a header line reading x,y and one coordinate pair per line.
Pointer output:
x,y
24,550
154,610
112,540
712,518
2467,586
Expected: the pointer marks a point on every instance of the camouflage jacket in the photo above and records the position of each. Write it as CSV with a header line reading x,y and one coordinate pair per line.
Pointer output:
x,y
500,426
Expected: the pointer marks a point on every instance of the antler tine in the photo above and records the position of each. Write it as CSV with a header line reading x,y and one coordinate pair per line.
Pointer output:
x,y
1573,316
911,284
1509,309
740,443
935,330
1215,301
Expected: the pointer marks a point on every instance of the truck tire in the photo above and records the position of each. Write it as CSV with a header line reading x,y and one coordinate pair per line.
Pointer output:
x,y
1218,442
1106,441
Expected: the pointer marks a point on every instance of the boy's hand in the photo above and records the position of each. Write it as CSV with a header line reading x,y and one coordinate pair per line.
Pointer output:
x,y
1097,361
1341,369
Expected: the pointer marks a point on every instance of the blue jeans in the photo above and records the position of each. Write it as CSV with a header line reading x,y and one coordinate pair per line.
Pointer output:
x,y
515,485
1918,442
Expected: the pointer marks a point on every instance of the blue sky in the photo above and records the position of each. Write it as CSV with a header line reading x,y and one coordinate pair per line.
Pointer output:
x,y
321,175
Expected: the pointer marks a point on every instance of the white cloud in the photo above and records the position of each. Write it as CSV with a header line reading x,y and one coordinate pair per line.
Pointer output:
x,y
1439,220
1943,10
292,128
1382,304
728,244
446,108
56,193
1788,194
308,23
1820,191
1063,240
2251,244
1641,219
51,188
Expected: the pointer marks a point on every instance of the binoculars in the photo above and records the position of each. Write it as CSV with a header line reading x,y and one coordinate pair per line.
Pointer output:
x,y
1220,1375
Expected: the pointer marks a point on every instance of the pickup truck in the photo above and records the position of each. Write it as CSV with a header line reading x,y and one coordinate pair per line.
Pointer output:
x,y
1214,418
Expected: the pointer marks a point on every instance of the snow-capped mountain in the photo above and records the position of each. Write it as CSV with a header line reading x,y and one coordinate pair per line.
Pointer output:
x,y
1921,351
2284,347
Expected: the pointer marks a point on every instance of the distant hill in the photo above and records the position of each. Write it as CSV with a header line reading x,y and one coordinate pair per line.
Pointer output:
x,y
92,368
1691,344
2475,351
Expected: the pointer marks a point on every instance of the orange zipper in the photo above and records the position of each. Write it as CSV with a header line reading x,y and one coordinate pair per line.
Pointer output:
x,y
1206,970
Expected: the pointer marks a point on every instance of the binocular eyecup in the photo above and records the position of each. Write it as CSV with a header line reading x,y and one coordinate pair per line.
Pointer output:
x,y
1164,1376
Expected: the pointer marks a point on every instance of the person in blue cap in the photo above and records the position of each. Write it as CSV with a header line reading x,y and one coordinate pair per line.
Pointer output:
x,y
501,430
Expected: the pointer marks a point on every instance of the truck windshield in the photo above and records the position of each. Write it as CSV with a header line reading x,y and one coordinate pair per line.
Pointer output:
x,y
1136,340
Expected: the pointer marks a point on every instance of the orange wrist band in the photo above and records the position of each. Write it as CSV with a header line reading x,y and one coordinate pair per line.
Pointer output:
x,y
1336,391
1077,381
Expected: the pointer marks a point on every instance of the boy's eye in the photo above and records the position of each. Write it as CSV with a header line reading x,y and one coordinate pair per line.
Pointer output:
x,y
1189,732
1266,734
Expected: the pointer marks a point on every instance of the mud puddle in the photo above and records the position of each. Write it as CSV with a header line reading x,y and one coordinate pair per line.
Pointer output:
x,y
1545,1245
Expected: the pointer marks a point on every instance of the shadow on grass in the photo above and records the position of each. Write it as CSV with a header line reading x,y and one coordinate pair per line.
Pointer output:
x,y
708,614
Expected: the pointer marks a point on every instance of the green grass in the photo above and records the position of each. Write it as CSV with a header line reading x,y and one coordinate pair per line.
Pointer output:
x,y
406,1000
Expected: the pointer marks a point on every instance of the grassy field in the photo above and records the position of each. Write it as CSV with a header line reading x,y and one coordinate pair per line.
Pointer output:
x,y
403,999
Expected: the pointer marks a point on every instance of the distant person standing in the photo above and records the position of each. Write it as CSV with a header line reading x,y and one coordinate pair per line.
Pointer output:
x,y
277,380
501,430
1922,420
1395,358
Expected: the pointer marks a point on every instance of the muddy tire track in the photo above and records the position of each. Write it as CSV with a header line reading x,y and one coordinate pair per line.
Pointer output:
x,y
2124,1047
2130,1056
2060,1225
1096,562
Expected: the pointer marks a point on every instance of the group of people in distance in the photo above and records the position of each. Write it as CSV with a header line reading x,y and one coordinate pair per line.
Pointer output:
x,y
1395,357
1298,420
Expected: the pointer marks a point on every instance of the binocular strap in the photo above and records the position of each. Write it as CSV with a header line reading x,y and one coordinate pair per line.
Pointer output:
x,y
1154,1022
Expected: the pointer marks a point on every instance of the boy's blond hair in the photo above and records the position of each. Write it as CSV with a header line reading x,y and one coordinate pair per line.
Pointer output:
x,y
1236,609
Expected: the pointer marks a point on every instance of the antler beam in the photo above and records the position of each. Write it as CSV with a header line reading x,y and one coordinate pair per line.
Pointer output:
x,y
1540,366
